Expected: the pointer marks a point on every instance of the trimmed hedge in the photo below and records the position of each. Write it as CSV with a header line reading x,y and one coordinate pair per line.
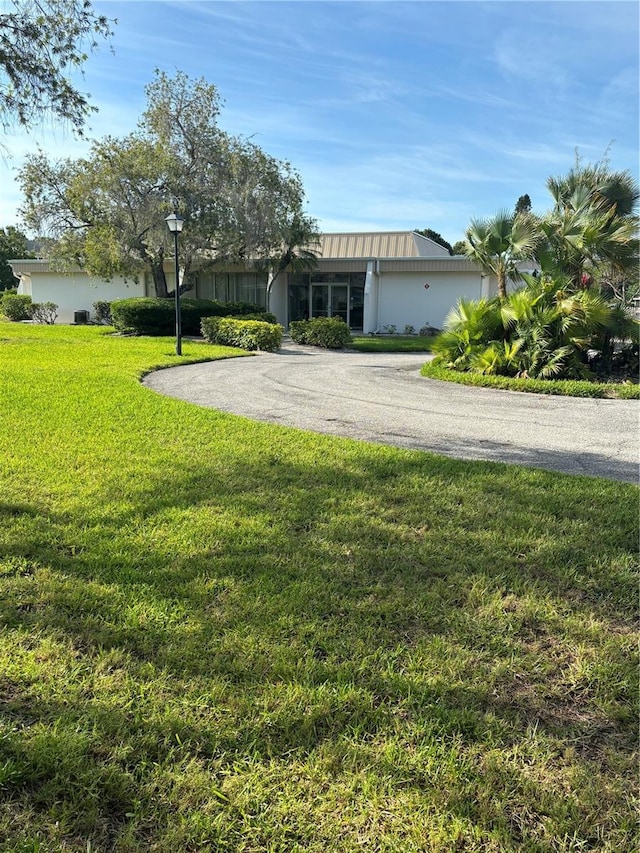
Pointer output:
x,y
326,332
16,306
246,334
146,315
265,317
560,387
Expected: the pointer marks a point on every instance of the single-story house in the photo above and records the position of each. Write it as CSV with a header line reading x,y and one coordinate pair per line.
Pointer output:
x,y
372,280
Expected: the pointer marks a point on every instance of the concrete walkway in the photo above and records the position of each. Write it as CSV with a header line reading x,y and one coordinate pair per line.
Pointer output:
x,y
382,398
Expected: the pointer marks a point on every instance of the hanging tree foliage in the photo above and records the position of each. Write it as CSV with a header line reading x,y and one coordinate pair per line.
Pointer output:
x,y
41,43
106,212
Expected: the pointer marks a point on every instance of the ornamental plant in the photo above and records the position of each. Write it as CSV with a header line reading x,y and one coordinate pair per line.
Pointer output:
x,y
325,332
246,334
156,316
44,312
547,330
16,307
102,312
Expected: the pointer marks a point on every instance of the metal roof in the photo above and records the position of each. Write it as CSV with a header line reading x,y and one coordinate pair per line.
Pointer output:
x,y
380,244
392,246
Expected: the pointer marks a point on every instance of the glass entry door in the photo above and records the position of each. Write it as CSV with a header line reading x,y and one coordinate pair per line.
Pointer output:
x,y
320,300
340,301
330,300
356,307
326,295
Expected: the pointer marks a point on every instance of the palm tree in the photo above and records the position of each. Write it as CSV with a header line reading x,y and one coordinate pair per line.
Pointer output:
x,y
593,227
298,251
300,245
467,329
497,244
616,189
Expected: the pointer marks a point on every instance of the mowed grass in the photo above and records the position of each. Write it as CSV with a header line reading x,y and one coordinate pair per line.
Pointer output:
x,y
392,343
228,636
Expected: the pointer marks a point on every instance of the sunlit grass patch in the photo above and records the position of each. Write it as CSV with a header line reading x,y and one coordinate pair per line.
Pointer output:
x,y
391,343
226,635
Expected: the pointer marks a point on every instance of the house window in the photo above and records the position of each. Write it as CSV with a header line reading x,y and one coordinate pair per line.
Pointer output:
x,y
329,278
299,278
233,287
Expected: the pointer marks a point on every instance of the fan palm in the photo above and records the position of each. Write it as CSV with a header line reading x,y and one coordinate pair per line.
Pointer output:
x,y
298,250
592,224
497,244
468,327
585,233
619,190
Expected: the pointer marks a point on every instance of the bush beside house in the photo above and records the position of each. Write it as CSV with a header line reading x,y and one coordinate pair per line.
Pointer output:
x,y
545,331
15,307
154,316
246,334
325,332
102,313
44,312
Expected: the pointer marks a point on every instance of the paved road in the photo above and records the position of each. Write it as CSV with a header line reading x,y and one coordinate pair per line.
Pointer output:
x,y
382,398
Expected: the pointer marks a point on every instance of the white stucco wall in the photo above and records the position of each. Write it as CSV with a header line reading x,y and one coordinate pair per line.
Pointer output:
x,y
403,298
278,299
77,291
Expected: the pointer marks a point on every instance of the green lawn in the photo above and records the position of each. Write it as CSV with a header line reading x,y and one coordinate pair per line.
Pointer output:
x,y
228,636
391,343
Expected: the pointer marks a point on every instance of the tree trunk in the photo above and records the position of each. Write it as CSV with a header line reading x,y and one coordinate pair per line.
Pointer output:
x,y
185,278
502,286
159,279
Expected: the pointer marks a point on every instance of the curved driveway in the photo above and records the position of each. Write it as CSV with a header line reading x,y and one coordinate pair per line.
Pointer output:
x,y
382,398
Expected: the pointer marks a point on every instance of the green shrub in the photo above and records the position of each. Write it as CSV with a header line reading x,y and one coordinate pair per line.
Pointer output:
x,y
102,313
246,334
144,315
264,317
194,310
299,331
326,332
16,306
153,316
544,330
44,312
561,387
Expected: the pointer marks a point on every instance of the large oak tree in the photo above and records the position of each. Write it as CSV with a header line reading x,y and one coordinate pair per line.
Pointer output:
x,y
106,212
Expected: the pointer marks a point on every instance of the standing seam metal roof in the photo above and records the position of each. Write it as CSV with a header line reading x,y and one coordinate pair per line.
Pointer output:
x,y
380,244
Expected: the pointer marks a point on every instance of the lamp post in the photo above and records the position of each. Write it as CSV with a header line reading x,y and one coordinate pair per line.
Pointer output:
x,y
174,224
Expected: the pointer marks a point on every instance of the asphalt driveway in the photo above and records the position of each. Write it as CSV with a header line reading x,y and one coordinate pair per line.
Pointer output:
x,y
382,398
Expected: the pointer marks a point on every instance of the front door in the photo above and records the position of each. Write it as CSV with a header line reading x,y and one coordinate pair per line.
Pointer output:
x,y
320,304
340,301
327,297
356,307
330,300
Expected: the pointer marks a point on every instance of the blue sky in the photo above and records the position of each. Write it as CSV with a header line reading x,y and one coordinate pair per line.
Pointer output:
x,y
397,115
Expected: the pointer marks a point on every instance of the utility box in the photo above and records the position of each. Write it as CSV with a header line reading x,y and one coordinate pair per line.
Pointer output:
x,y
80,317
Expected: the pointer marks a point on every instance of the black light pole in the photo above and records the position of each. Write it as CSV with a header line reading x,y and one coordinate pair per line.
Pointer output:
x,y
174,224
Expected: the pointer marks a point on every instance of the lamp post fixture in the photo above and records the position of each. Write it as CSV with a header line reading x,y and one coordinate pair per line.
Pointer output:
x,y
174,224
